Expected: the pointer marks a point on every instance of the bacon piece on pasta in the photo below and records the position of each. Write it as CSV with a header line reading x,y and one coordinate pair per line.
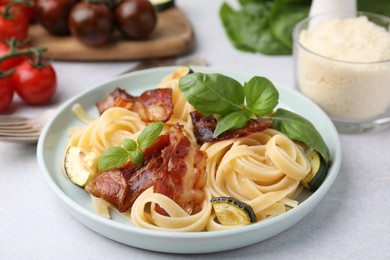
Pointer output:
x,y
109,101
152,105
204,127
122,186
184,174
172,165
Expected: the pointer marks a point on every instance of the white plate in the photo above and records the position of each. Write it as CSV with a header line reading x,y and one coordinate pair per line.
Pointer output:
x,y
77,202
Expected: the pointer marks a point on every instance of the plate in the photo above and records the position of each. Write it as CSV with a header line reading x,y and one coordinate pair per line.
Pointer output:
x,y
77,202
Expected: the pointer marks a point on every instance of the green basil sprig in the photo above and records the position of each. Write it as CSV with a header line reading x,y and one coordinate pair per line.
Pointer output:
x,y
233,104
119,155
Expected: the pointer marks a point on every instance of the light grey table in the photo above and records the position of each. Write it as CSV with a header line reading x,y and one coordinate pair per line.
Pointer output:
x,y
351,222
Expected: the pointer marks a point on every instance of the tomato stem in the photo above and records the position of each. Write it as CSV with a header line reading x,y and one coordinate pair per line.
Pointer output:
x,y
15,52
8,13
6,73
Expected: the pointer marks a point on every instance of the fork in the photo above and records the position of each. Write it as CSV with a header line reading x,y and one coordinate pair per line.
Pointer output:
x,y
22,129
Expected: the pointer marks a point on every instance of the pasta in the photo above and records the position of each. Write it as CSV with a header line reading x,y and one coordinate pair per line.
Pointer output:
x,y
263,169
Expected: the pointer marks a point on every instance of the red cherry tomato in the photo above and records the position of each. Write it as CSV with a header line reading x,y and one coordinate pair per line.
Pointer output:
x,y
6,92
13,24
11,62
28,11
54,14
34,85
135,18
91,23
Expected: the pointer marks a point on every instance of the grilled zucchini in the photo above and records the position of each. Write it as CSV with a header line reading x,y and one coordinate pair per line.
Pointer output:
x,y
80,167
319,170
232,212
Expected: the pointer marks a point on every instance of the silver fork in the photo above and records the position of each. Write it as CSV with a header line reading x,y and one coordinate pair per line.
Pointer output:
x,y
23,129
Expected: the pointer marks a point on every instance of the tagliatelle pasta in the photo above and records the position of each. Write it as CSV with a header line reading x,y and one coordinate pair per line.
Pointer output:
x,y
143,214
263,169
108,130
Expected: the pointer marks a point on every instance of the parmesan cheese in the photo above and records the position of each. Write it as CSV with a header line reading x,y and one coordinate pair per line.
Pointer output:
x,y
345,67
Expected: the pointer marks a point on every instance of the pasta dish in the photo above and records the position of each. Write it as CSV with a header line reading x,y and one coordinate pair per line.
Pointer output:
x,y
183,180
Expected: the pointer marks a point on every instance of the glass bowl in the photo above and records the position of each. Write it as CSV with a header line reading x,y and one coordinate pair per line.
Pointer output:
x,y
354,92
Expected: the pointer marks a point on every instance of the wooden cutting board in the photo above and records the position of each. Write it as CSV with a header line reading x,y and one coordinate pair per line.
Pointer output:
x,y
172,36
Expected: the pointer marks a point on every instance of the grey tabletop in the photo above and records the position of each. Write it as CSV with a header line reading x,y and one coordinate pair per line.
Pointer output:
x,y
351,222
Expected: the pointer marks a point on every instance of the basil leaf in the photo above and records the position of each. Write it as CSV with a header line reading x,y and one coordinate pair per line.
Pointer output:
x,y
129,144
248,29
233,121
377,6
284,15
300,129
137,157
113,157
261,95
150,134
212,94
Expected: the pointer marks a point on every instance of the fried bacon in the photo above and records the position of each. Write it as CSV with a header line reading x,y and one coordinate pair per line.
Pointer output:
x,y
172,165
122,186
204,127
184,176
152,105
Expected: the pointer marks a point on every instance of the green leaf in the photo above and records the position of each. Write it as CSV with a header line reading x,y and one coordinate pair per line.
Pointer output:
x,y
248,28
232,121
113,157
300,129
150,134
261,95
211,93
137,157
284,15
129,144
377,6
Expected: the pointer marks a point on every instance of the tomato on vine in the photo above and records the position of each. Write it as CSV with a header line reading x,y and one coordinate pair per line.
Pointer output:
x,y
25,7
6,90
12,24
35,81
9,48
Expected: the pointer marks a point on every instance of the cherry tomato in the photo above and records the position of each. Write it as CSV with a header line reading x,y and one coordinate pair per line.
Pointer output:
x,y
92,23
54,14
28,11
34,85
12,24
6,92
135,18
11,62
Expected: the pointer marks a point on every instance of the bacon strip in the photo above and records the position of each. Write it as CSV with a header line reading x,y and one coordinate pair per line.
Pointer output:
x,y
204,127
152,105
184,176
109,101
122,186
172,165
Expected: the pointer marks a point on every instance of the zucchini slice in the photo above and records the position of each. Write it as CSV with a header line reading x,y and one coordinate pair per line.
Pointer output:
x,y
232,212
80,167
318,172
161,5
178,73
